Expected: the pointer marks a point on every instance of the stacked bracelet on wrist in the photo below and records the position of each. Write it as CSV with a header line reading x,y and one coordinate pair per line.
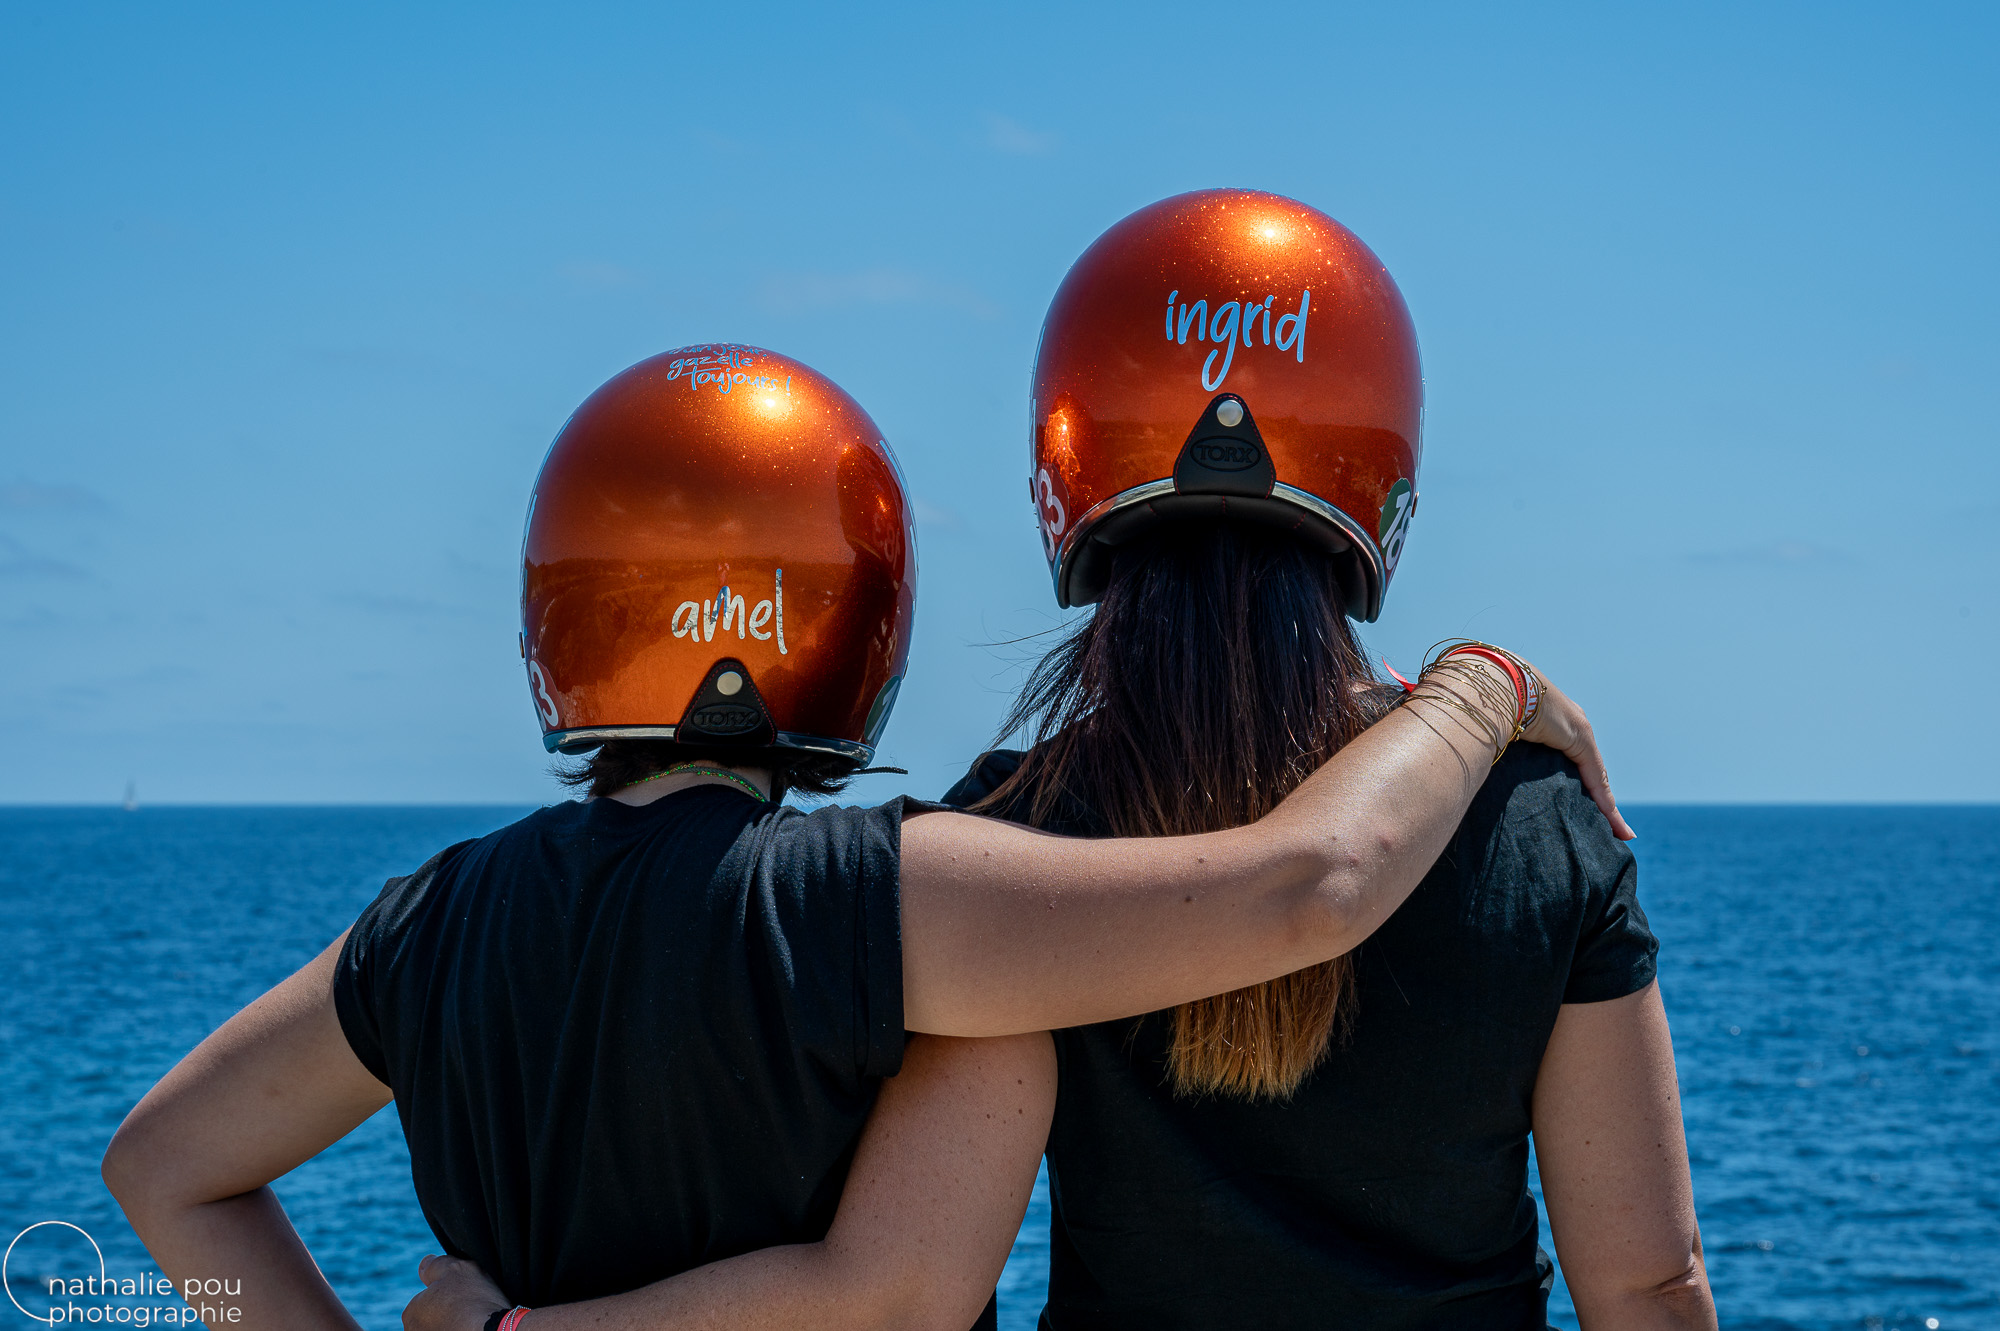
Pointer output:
x,y
1526,689
507,1319
1506,661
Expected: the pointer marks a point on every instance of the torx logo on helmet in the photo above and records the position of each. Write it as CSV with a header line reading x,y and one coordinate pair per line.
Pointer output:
x,y
725,718
1226,454
1233,320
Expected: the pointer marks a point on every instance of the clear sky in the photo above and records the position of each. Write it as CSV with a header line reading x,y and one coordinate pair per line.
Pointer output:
x,y
292,299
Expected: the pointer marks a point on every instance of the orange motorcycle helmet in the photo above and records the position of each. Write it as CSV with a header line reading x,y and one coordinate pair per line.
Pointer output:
x,y
719,553
1227,353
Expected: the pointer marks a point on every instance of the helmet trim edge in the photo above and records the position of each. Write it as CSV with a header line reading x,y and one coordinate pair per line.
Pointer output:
x,y
1369,554
589,737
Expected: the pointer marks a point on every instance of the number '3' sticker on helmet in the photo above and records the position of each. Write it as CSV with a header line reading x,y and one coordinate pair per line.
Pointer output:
x,y
544,704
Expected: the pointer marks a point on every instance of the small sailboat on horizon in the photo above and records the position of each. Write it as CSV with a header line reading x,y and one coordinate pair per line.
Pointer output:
x,y
131,796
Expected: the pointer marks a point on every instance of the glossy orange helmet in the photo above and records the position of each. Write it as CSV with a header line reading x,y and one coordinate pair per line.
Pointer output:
x,y
719,553
1227,353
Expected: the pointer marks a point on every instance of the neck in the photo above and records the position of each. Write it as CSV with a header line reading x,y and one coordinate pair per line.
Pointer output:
x,y
659,787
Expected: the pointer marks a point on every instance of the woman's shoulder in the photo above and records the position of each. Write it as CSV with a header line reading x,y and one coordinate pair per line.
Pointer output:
x,y
1025,801
984,777
1531,779
1533,819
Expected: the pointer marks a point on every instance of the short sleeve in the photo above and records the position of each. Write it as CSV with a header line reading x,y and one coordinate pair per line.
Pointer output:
x,y
831,881
879,1002
369,943
1616,952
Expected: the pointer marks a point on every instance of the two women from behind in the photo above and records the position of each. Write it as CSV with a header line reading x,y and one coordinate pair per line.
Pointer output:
x,y
639,1036
1227,406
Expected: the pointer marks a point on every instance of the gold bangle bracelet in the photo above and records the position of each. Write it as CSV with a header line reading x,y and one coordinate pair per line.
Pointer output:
x,y
1485,689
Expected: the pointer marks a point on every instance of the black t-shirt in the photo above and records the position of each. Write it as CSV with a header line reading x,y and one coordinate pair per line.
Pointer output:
x,y
1391,1191
628,1041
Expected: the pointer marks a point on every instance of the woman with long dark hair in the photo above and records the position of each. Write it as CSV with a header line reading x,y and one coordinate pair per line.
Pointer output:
x,y
1239,636
1346,1145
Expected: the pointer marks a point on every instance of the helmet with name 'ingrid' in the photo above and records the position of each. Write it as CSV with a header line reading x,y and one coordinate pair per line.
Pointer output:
x,y
1227,353
719,553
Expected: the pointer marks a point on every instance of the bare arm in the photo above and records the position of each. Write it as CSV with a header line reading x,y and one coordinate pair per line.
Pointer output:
x,y
1006,929
1615,1170
926,1220
275,1086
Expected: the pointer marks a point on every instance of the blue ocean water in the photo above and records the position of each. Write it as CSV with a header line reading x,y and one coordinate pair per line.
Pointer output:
x,y
1831,974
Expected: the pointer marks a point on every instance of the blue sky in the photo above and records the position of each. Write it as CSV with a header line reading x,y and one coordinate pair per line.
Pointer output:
x,y
293,301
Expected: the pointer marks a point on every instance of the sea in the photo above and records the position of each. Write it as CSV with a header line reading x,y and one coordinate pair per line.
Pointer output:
x,y
1832,974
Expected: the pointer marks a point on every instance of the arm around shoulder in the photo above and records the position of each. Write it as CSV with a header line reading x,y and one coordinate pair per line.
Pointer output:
x,y
1008,930
1005,930
928,1214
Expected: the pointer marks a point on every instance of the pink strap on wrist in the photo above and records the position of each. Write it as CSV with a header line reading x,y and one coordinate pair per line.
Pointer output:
x,y
514,1318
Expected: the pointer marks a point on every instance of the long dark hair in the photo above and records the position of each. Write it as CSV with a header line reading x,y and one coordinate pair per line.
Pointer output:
x,y
1217,673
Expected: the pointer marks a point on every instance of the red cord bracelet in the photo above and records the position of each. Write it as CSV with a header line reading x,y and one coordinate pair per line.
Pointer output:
x,y
1499,659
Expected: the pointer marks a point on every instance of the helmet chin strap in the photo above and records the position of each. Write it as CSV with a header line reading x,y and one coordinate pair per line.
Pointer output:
x,y
726,710
1225,454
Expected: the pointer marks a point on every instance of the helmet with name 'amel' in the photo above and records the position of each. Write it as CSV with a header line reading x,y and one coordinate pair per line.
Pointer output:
x,y
1227,353
719,553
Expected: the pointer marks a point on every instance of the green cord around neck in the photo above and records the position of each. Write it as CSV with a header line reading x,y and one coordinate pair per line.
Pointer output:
x,y
743,784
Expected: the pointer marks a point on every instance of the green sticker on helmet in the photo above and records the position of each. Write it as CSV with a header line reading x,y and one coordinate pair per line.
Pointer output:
x,y
1395,529
878,712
